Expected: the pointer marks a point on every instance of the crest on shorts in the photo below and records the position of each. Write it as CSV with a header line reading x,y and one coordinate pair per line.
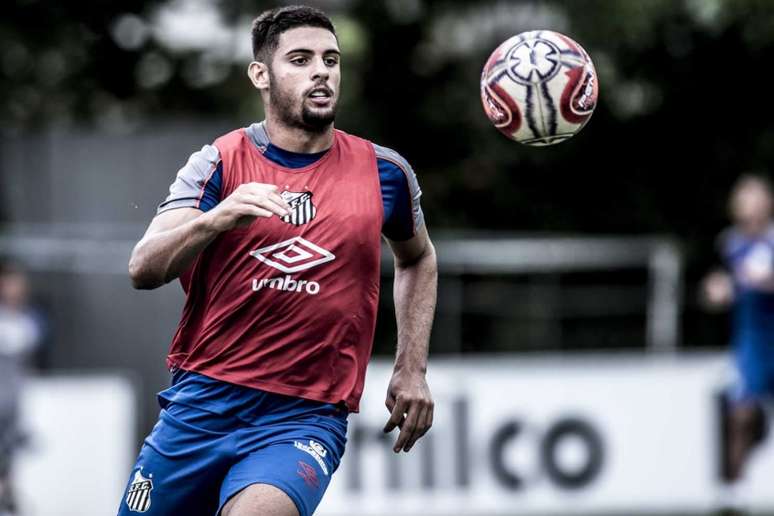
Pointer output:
x,y
138,499
302,210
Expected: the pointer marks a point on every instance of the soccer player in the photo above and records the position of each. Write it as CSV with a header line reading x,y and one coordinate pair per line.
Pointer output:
x,y
274,231
748,284
21,334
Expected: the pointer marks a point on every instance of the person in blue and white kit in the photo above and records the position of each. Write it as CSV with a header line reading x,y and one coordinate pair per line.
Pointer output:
x,y
746,284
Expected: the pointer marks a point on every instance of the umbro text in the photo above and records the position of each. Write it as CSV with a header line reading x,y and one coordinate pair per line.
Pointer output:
x,y
287,284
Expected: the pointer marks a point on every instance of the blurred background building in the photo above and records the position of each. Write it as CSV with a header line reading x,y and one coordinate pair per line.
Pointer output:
x,y
568,297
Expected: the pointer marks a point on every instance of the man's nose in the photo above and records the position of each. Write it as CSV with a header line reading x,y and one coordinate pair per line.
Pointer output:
x,y
320,71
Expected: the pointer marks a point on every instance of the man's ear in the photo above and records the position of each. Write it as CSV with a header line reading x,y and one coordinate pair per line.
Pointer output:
x,y
259,75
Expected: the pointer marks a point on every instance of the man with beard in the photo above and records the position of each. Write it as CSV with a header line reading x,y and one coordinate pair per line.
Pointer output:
x,y
274,232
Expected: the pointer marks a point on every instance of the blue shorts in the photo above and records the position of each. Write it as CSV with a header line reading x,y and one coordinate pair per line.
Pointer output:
x,y
195,460
755,363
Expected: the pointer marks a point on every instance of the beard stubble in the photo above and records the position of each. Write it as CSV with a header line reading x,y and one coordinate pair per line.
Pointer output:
x,y
285,107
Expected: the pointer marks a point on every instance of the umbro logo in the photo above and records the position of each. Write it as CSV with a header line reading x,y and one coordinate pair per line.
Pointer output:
x,y
293,255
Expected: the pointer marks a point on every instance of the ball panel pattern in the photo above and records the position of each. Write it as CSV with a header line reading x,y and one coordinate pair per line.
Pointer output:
x,y
539,87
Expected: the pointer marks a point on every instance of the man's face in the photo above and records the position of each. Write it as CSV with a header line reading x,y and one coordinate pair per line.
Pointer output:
x,y
751,208
13,289
305,78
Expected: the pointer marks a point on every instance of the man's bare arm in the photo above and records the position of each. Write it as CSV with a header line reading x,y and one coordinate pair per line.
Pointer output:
x,y
175,238
717,290
408,395
172,241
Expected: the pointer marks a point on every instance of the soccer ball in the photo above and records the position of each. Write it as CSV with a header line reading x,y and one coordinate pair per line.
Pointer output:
x,y
539,87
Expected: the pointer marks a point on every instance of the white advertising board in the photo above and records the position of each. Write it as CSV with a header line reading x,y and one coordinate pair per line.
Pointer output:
x,y
617,435
79,447
548,435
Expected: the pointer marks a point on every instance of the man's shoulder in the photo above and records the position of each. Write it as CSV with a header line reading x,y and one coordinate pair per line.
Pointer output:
x,y
729,240
732,238
382,152
391,156
230,140
395,170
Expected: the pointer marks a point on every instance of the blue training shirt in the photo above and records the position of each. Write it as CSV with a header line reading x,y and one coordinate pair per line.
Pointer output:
x,y
750,261
199,182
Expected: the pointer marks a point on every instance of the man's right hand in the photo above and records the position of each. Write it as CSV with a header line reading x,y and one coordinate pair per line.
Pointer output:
x,y
248,202
717,290
174,238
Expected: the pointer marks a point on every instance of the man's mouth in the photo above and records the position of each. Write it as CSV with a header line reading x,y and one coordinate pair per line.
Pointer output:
x,y
320,96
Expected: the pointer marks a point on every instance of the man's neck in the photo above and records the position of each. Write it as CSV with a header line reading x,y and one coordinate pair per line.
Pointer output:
x,y
755,230
295,139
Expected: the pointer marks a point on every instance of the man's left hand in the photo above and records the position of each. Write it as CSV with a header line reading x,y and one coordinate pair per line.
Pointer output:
x,y
411,408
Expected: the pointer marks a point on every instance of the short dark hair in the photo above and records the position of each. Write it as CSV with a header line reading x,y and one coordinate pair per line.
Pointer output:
x,y
268,27
754,180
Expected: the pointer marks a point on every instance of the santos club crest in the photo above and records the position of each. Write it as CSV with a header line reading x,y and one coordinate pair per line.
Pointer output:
x,y
301,208
139,496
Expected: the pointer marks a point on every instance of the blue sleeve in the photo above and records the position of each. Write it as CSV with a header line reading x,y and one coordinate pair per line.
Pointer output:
x,y
212,188
198,183
400,194
398,219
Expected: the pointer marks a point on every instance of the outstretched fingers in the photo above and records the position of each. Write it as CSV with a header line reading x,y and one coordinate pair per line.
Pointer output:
x,y
414,417
397,410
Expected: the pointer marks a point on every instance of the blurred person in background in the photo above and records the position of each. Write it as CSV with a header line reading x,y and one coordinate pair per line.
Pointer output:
x,y
274,232
21,333
747,284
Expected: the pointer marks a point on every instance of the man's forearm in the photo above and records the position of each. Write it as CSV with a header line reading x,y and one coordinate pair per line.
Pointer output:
x,y
161,257
415,289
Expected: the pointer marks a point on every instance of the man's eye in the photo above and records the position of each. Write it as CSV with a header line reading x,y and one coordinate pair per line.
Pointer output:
x,y
331,61
299,60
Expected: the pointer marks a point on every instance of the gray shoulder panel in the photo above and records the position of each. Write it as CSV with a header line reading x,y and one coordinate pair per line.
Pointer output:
x,y
258,135
187,189
415,192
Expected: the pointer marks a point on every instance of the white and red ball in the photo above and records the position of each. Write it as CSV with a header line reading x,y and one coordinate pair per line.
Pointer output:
x,y
539,87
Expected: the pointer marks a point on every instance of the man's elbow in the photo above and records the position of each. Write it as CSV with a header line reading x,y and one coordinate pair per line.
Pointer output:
x,y
141,276
432,263
424,260
429,259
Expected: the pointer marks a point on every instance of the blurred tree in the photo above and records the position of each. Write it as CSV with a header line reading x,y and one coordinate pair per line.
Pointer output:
x,y
684,102
59,63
